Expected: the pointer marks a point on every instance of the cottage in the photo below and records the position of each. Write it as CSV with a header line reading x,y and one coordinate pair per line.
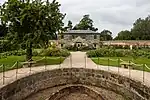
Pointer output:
x,y
79,38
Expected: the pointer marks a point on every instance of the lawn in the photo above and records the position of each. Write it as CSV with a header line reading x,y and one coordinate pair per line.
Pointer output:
x,y
11,60
113,61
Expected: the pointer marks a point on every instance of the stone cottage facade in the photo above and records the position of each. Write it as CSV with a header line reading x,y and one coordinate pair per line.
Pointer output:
x,y
79,38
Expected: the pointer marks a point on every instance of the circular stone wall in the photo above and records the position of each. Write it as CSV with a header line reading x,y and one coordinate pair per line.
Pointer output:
x,y
27,86
76,93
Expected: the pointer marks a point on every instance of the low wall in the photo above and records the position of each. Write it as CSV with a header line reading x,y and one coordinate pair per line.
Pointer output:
x,y
26,86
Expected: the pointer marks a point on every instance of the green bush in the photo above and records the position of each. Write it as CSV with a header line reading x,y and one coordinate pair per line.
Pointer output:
x,y
82,48
6,45
64,53
55,52
105,52
111,52
35,53
14,53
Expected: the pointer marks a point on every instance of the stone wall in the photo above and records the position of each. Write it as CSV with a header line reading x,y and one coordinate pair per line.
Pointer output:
x,y
26,86
76,89
86,37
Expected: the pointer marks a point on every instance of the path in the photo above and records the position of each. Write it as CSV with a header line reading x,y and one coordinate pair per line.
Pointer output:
x,y
76,60
79,59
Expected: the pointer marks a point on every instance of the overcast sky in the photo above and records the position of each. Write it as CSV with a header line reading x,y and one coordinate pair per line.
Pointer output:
x,y
114,15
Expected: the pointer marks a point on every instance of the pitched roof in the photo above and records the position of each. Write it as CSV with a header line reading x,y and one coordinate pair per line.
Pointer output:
x,y
80,31
78,39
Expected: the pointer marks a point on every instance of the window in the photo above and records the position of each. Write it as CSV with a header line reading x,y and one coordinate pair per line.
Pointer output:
x,y
95,36
94,45
62,36
62,45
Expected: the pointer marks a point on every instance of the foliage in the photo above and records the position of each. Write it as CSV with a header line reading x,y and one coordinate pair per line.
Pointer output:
x,y
85,23
104,53
3,30
82,48
55,52
120,47
31,22
110,52
106,35
140,31
69,26
71,48
14,53
124,35
17,53
6,45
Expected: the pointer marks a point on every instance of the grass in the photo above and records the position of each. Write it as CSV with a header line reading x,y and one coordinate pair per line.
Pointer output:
x,y
115,62
11,60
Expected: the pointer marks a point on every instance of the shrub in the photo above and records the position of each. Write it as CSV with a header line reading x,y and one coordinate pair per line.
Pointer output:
x,y
35,53
92,53
64,53
105,52
12,53
82,48
55,52
111,52
6,45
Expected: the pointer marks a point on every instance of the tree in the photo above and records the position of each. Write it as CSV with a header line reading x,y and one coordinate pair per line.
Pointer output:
x,y
141,29
3,30
124,35
85,24
70,25
31,22
106,35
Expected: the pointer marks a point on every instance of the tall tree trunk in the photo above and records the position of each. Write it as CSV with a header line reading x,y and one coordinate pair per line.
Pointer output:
x,y
29,52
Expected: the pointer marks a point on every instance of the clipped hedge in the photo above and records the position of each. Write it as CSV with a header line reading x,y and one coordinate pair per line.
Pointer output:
x,y
12,53
107,52
82,48
55,52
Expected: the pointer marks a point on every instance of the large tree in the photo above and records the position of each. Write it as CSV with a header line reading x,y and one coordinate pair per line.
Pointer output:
x,y
85,23
31,22
124,35
106,35
3,30
141,29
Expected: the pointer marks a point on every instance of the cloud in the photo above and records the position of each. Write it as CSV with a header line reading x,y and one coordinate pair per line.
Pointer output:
x,y
2,1
115,15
